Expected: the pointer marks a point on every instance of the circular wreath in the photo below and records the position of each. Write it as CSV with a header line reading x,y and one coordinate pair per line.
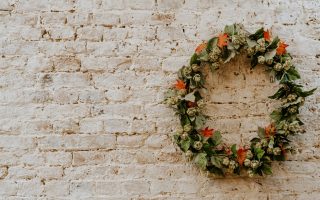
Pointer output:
x,y
204,145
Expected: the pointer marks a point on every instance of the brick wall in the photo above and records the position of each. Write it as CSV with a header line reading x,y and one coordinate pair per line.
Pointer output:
x,y
81,85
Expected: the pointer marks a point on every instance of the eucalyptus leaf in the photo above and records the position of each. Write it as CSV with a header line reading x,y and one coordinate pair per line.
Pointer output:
x,y
201,160
217,137
216,161
261,132
234,149
231,55
251,43
230,30
190,97
200,122
185,144
270,54
259,153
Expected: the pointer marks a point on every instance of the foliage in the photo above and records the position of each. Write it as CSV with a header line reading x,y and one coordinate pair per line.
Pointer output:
x,y
204,145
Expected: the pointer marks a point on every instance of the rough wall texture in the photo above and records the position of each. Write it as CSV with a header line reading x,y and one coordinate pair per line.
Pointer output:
x,y
81,83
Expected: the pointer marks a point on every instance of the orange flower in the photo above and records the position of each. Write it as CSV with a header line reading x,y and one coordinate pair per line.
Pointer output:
x,y
222,40
270,130
281,48
207,132
200,48
180,85
267,35
241,155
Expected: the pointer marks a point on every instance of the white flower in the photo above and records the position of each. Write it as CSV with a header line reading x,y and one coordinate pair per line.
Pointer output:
x,y
196,67
187,70
197,145
277,151
200,103
182,92
292,97
264,142
189,153
232,164
261,59
250,173
247,162
261,42
269,61
293,109
287,65
251,51
179,131
184,136
255,164
213,57
225,161
192,112
249,154
197,78
270,150
278,67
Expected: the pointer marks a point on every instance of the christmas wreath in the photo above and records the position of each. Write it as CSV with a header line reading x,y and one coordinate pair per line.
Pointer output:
x,y
204,145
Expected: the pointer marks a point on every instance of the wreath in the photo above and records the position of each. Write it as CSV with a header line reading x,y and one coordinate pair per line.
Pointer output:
x,y
204,145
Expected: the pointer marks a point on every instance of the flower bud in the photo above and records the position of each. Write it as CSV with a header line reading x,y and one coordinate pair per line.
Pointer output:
x,y
200,103
196,67
192,112
247,162
277,151
270,150
249,154
187,128
250,173
269,61
184,136
187,70
293,109
182,92
197,145
261,59
226,161
264,142
255,164
189,153
197,78
278,67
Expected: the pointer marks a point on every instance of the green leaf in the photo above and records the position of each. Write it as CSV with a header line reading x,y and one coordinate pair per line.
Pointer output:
x,y
257,35
185,144
266,169
194,59
216,161
199,122
190,97
261,132
276,115
201,160
251,43
234,149
279,94
259,153
231,55
211,43
271,143
293,74
254,61
230,30
274,43
270,54
217,137
307,93
203,56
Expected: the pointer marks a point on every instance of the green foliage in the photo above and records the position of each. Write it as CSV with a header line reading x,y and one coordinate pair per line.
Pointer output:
x,y
209,152
201,160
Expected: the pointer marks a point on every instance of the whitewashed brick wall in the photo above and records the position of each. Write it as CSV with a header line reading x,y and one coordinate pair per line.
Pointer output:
x,y
81,85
